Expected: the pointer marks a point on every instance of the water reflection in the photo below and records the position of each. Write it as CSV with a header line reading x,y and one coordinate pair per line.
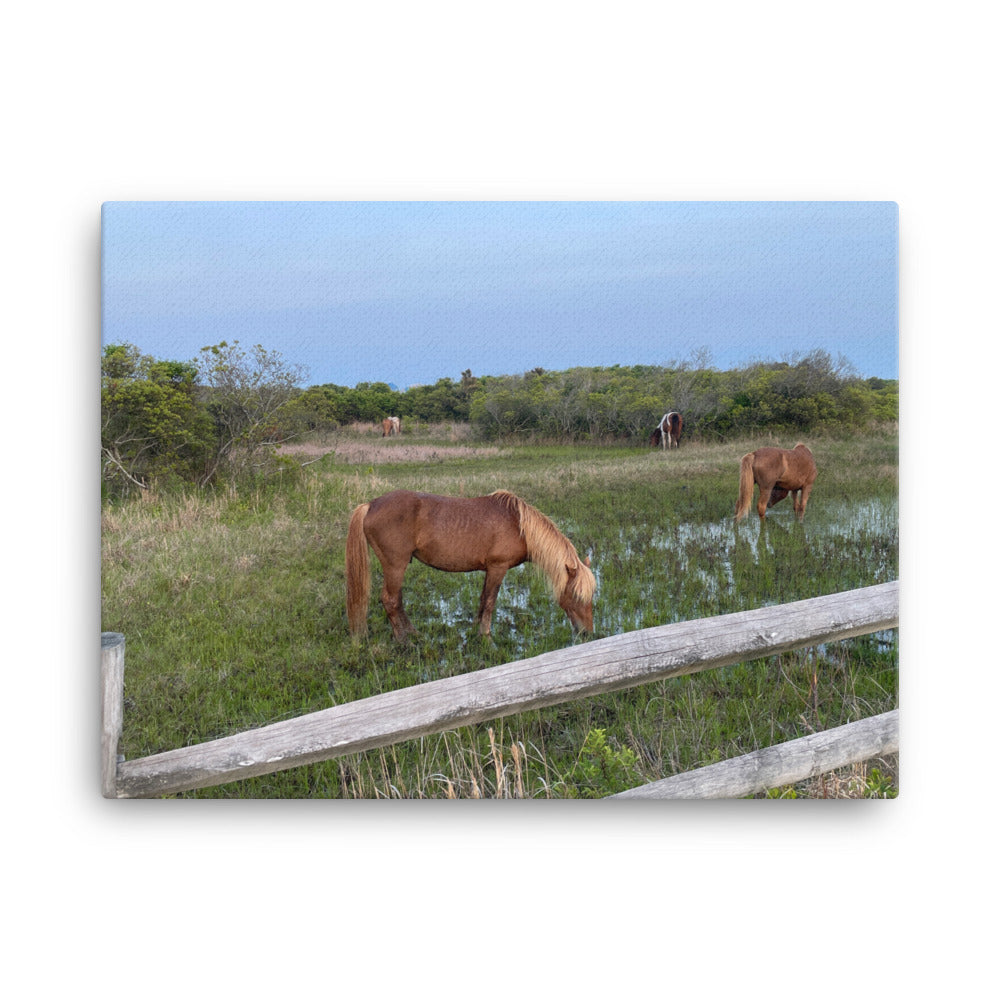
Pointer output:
x,y
655,574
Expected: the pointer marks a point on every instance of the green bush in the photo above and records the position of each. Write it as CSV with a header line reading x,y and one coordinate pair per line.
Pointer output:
x,y
601,770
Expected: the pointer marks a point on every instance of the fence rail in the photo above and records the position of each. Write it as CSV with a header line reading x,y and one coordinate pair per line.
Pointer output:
x,y
579,671
782,764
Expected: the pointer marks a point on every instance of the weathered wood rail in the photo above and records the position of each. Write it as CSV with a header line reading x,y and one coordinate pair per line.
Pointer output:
x,y
579,671
782,764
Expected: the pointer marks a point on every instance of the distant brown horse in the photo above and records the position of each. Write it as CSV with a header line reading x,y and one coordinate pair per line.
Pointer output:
x,y
777,472
667,433
390,426
460,535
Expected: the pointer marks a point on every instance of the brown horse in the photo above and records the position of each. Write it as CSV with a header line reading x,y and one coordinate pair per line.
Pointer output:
x,y
460,535
390,426
667,433
777,472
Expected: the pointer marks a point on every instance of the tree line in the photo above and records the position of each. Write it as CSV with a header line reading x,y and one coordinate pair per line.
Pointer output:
x,y
221,414
624,402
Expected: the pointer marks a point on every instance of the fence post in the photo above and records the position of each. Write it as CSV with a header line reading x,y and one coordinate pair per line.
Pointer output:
x,y
112,694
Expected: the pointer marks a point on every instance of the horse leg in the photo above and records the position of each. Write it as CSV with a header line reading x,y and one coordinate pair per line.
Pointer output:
x,y
801,510
488,598
392,601
766,488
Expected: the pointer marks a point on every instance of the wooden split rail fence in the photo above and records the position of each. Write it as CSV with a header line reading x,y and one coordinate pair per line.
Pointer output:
x,y
578,671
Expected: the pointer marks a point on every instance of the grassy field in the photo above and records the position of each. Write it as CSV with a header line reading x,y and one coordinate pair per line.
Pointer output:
x,y
232,605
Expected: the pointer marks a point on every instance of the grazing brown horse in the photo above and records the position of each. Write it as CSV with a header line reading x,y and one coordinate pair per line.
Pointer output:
x,y
777,472
667,433
460,535
390,426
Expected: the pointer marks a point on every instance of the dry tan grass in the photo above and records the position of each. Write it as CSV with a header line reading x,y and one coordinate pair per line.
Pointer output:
x,y
454,768
852,782
185,542
352,451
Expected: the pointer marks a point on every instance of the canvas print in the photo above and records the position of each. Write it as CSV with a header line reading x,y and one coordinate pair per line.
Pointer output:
x,y
499,500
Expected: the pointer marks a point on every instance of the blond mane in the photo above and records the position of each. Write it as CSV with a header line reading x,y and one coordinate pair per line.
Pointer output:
x,y
549,549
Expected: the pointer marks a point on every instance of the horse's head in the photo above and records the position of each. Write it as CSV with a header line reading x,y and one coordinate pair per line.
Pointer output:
x,y
577,598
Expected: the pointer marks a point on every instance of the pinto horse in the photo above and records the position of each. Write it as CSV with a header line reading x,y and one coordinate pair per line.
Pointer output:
x,y
390,426
460,535
777,472
667,432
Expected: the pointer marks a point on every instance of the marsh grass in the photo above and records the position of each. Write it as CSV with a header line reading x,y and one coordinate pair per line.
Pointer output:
x,y
232,608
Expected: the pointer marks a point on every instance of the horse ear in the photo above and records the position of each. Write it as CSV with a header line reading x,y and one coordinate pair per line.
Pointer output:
x,y
586,562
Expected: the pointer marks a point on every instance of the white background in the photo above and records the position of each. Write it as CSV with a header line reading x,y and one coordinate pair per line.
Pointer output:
x,y
113,101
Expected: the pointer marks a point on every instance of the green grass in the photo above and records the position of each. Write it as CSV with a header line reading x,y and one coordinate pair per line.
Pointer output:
x,y
233,611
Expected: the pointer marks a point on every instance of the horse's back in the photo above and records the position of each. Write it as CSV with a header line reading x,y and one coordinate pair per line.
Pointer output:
x,y
788,465
458,534
412,505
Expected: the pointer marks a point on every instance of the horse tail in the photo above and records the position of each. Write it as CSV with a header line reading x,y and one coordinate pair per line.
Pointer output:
x,y
746,486
357,570
675,428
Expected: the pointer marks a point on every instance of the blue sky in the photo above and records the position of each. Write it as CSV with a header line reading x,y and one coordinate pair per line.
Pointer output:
x,y
409,292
